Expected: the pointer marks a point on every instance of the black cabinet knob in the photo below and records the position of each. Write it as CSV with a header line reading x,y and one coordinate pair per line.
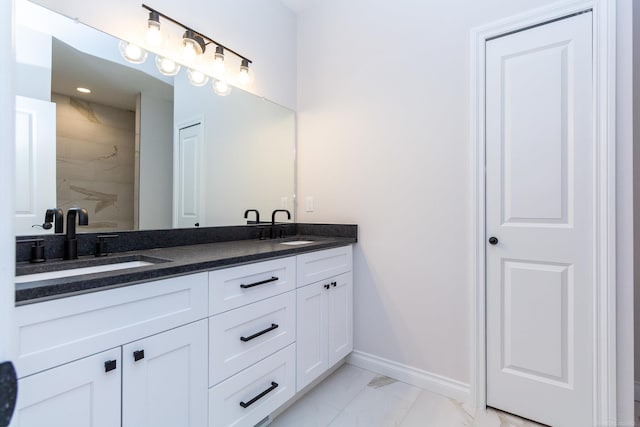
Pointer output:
x,y
110,365
327,286
493,240
138,355
334,284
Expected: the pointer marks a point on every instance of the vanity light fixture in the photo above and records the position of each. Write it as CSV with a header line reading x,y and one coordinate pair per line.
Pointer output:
x,y
132,53
221,87
167,66
197,78
194,45
154,36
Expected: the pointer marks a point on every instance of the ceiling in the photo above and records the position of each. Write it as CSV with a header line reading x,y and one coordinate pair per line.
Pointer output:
x,y
110,83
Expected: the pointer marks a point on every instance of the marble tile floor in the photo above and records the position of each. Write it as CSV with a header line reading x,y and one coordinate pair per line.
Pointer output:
x,y
352,397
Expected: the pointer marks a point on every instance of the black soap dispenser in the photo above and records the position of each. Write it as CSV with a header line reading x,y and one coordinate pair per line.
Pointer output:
x,y
37,251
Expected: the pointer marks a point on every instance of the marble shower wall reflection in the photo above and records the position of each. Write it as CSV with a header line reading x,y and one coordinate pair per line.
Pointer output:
x,y
95,161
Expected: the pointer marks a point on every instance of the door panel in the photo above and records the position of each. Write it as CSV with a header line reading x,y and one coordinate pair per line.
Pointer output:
x,y
35,163
535,182
534,341
540,206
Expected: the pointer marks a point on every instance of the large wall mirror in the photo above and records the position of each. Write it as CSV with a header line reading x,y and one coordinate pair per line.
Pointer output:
x,y
141,150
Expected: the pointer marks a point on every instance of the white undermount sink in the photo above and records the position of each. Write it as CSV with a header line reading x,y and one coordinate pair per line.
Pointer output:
x,y
297,242
80,271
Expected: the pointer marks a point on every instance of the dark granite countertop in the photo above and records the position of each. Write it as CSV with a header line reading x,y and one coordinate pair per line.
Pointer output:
x,y
177,260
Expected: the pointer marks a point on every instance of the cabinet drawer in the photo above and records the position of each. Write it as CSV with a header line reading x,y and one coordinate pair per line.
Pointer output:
x,y
54,332
249,396
241,337
315,266
234,287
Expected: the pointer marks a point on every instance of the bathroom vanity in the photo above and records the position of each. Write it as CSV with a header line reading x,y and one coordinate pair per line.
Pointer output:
x,y
220,334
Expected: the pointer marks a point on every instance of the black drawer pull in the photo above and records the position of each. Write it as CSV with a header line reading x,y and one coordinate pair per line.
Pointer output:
x,y
327,286
334,284
137,355
257,334
251,285
110,365
274,385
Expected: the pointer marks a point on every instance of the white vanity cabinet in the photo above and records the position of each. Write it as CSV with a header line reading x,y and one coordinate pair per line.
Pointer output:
x,y
76,360
221,348
324,312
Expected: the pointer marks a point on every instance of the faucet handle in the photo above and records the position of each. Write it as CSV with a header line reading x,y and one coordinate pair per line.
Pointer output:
x,y
101,244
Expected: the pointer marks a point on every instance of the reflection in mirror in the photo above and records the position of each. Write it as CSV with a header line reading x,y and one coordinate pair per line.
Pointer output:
x,y
141,150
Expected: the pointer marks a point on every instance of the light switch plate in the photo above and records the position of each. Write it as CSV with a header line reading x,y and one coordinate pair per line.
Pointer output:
x,y
309,204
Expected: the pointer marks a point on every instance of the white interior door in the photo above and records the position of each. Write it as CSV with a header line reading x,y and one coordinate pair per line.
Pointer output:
x,y
540,207
35,163
187,203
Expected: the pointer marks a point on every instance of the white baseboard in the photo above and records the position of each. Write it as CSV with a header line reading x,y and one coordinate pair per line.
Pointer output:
x,y
417,377
637,391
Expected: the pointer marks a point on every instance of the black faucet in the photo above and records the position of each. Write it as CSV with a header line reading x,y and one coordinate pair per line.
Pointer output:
x,y
273,222
246,214
70,241
54,215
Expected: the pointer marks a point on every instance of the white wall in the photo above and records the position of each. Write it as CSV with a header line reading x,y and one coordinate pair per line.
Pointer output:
x,y
383,102
263,30
33,64
155,205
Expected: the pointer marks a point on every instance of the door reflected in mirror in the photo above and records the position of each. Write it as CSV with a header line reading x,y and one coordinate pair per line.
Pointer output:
x,y
121,151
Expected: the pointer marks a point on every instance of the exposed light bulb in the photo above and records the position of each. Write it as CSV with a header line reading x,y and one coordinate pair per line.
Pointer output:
x,y
192,45
197,78
218,61
154,36
167,66
189,50
221,87
132,53
245,76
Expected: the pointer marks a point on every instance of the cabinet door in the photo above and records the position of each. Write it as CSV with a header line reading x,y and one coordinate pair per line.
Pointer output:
x,y
84,393
340,317
165,379
311,339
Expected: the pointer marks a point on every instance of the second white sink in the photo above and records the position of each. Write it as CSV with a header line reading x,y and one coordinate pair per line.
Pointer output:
x,y
297,242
